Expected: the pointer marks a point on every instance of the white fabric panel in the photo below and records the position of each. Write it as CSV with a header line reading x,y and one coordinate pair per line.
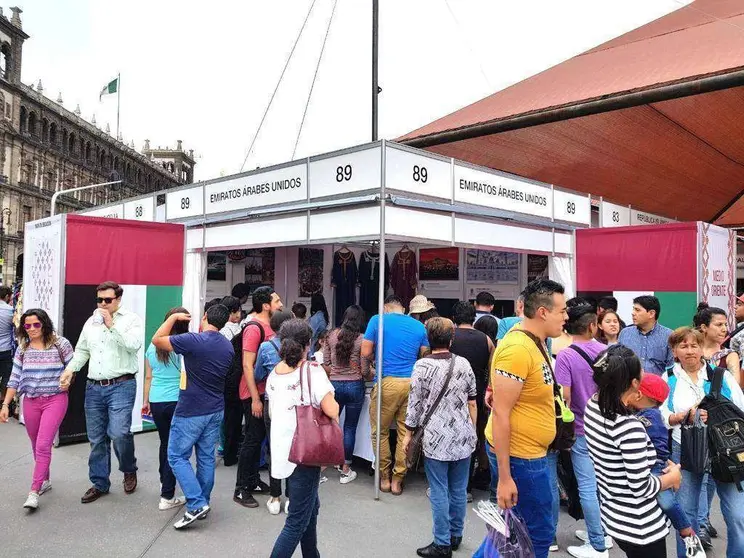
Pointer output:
x,y
560,268
418,224
267,232
563,243
194,239
625,303
194,284
496,235
344,224
135,300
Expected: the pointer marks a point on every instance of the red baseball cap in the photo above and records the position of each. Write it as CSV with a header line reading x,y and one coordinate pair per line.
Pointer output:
x,y
653,387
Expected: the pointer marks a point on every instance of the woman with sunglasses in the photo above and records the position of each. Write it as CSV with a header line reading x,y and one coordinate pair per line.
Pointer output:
x,y
39,361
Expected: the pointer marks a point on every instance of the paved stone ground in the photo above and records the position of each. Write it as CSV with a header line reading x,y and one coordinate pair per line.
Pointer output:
x,y
351,522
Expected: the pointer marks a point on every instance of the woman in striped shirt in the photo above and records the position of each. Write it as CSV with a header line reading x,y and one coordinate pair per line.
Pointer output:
x,y
623,457
39,361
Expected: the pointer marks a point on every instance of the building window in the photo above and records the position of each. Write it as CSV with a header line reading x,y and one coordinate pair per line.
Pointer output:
x,y
24,120
53,134
5,61
88,150
44,130
32,123
27,216
71,145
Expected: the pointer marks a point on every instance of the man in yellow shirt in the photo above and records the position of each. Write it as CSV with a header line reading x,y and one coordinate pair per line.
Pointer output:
x,y
522,421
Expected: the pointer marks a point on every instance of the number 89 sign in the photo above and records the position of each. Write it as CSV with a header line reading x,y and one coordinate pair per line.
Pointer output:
x,y
184,203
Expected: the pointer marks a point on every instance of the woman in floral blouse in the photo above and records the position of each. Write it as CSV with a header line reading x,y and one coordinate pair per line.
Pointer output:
x,y
449,436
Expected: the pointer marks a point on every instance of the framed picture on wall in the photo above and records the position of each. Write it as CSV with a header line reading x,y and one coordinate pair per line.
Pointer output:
x,y
537,267
439,264
310,271
492,266
216,266
259,268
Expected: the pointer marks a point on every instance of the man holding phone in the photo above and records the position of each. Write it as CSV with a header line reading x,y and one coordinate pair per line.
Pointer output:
x,y
109,343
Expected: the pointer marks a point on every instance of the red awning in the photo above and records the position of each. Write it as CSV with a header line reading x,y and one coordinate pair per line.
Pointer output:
x,y
654,118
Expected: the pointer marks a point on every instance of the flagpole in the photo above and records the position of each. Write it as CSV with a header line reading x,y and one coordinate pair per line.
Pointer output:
x,y
118,102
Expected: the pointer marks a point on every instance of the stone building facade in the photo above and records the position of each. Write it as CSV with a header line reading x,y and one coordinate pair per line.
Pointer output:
x,y
45,148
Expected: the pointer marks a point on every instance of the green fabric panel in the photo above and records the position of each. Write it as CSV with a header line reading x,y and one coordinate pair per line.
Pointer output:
x,y
159,300
677,309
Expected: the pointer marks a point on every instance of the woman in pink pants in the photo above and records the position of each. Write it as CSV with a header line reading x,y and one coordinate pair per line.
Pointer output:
x,y
37,374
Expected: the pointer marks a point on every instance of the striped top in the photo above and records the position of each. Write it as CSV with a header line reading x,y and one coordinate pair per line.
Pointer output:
x,y
36,372
623,456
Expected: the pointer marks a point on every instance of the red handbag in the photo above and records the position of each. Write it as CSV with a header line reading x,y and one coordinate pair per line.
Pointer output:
x,y
318,440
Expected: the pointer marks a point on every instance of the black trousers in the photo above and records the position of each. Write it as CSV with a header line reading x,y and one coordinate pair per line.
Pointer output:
x,y
162,415
275,485
656,549
250,453
6,367
233,422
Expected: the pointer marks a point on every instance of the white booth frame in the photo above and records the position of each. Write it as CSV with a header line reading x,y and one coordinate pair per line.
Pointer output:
x,y
367,208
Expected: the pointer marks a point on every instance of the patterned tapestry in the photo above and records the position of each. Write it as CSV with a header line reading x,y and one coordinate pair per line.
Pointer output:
x,y
42,266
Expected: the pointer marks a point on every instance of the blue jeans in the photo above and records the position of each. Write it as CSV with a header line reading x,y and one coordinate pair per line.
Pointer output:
x,y
586,479
108,420
301,525
732,507
553,470
350,396
535,497
188,434
707,492
448,481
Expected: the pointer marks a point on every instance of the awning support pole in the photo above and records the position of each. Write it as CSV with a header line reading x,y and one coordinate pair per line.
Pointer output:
x,y
380,311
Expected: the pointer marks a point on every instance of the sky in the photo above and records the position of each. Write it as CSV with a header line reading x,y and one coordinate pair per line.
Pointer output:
x,y
203,72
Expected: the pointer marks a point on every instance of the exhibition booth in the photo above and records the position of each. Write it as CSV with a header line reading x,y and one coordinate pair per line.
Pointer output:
x,y
447,229
68,256
681,264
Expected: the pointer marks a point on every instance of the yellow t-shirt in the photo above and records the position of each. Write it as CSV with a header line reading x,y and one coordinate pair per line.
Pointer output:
x,y
533,416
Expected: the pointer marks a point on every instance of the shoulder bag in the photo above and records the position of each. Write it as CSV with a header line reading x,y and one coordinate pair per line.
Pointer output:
x,y
417,438
565,434
318,440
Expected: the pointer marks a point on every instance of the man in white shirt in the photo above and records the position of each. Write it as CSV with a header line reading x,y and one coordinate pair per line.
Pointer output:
x,y
6,338
109,343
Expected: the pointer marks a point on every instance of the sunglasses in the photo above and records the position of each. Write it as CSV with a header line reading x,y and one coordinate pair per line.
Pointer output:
x,y
35,325
107,300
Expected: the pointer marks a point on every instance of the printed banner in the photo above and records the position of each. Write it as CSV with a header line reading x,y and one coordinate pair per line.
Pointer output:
x,y
42,267
718,268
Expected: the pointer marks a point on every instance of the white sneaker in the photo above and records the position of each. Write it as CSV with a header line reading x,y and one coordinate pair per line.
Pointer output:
x,y
166,504
346,478
323,479
286,506
587,551
46,486
190,516
32,502
274,505
583,536
693,547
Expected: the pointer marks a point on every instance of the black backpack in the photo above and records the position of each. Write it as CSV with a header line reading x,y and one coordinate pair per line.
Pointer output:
x,y
725,434
232,380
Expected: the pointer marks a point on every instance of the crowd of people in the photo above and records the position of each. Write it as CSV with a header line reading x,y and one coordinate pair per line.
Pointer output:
x,y
495,403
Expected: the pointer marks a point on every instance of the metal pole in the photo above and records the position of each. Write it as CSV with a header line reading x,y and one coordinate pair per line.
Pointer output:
x,y
381,312
375,44
55,195
118,102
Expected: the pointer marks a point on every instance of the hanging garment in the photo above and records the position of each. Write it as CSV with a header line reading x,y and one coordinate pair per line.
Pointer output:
x,y
345,278
404,275
369,281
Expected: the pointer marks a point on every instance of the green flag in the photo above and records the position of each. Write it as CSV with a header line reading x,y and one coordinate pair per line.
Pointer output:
x,y
112,87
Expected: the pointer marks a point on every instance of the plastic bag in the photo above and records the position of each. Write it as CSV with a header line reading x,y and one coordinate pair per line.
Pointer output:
x,y
695,454
515,543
